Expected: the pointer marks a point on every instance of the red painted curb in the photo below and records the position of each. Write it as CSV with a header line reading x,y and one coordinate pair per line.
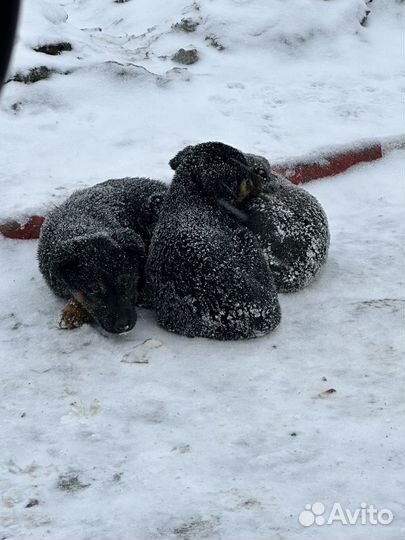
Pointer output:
x,y
324,165
26,231
320,164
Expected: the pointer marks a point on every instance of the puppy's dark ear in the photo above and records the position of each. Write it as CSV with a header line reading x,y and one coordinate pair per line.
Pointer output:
x,y
66,267
67,263
73,252
179,157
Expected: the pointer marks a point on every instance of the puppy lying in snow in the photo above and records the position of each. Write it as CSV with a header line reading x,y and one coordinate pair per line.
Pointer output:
x,y
291,227
206,269
92,248
92,251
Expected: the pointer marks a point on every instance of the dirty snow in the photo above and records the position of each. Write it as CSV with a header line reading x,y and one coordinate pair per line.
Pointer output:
x,y
154,436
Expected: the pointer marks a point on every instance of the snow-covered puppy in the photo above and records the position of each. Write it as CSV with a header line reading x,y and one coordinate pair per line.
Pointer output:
x,y
92,251
291,227
206,269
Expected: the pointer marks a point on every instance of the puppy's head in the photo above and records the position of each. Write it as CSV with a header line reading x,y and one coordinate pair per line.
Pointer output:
x,y
102,272
221,171
259,164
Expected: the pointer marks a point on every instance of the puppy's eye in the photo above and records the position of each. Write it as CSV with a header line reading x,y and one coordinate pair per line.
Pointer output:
x,y
127,283
131,285
124,279
260,171
97,289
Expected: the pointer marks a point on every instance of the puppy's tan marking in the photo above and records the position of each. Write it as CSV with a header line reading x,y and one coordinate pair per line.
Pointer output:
x,y
245,189
74,315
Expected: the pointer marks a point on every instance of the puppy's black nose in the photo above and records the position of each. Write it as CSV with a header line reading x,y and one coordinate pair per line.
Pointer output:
x,y
124,323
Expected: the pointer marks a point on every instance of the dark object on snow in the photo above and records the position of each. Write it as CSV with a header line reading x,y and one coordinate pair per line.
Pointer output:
x,y
187,25
186,57
291,227
206,269
54,49
8,22
92,250
327,393
214,42
31,503
34,75
70,482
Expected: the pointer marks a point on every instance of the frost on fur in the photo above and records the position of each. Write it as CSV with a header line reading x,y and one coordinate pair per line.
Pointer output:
x,y
207,271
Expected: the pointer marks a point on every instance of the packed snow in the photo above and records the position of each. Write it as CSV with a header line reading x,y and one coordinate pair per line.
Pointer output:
x,y
153,436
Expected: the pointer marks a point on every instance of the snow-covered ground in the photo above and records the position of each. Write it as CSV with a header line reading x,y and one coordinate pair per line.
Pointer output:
x,y
152,436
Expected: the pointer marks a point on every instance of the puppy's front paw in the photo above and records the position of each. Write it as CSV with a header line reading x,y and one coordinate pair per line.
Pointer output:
x,y
73,316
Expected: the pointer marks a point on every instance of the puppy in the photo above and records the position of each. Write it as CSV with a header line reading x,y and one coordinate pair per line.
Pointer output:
x,y
92,251
206,270
291,226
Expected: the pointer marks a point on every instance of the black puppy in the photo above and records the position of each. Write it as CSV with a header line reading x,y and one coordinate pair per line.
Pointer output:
x,y
206,269
291,227
92,250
